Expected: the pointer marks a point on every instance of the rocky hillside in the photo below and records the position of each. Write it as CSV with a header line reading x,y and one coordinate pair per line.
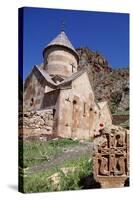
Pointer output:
x,y
108,83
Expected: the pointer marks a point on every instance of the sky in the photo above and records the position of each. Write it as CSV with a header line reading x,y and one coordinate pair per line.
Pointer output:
x,y
107,33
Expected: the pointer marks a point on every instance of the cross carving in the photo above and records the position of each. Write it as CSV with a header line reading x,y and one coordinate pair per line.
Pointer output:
x,y
111,156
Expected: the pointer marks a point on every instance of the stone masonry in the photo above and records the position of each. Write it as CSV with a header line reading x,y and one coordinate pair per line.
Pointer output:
x,y
36,123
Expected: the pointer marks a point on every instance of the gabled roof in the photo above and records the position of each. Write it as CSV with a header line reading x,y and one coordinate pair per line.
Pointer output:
x,y
62,40
66,82
44,76
104,103
74,76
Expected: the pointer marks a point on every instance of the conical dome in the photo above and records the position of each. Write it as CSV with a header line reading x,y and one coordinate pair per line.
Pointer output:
x,y
62,40
60,57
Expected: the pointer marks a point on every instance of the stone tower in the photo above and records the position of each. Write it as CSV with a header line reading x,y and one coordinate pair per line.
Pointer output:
x,y
60,57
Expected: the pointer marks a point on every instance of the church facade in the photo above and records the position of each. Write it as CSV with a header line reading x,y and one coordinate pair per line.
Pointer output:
x,y
58,85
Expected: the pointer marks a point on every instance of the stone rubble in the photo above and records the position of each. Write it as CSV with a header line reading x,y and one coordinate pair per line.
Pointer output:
x,y
36,123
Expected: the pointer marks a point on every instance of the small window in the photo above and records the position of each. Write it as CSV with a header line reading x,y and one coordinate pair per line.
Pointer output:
x,y
54,111
74,102
32,102
91,109
72,67
84,109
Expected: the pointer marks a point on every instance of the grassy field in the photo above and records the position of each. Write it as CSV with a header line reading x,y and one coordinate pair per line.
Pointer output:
x,y
34,154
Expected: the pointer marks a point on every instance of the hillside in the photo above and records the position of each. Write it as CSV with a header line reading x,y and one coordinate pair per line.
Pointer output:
x,y
108,83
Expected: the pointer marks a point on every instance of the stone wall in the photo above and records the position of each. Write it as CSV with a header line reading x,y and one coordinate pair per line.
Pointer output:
x,y
105,115
33,92
118,119
77,114
50,99
60,61
36,123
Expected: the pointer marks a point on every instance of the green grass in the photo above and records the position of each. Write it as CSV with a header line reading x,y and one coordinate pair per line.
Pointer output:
x,y
39,182
34,153
37,152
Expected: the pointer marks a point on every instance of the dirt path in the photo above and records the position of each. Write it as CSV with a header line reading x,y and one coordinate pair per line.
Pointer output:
x,y
69,154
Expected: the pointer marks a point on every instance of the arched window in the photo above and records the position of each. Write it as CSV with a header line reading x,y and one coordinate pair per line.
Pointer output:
x,y
72,67
54,111
84,109
31,102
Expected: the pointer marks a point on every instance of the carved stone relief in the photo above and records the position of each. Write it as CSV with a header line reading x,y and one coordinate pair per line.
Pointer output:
x,y
110,159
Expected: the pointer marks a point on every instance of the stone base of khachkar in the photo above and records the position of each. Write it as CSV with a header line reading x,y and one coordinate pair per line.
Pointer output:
x,y
111,182
111,157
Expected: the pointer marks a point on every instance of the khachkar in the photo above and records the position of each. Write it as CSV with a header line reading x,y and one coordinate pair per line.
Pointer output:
x,y
111,157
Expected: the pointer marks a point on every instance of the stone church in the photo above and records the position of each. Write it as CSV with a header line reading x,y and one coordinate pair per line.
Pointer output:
x,y
59,86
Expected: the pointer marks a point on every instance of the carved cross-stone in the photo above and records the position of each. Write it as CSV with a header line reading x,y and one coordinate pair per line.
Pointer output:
x,y
110,159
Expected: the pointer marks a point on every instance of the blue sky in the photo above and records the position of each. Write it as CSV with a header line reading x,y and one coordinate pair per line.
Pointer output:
x,y
107,33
